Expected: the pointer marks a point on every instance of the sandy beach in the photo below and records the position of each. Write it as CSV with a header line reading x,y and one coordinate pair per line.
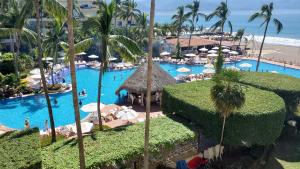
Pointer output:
x,y
278,53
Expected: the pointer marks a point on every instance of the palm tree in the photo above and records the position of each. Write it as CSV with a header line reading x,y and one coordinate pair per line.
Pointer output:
x,y
266,14
44,82
149,82
142,27
13,25
239,35
194,13
117,7
179,18
127,48
129,11
227,96
71,53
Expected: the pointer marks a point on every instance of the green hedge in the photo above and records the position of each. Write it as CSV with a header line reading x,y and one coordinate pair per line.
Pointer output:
x,y
20,150
113,146
259,122
285,86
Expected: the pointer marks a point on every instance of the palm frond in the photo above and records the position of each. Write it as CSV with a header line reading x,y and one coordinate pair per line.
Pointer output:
x,y
55,9
278,25
230,27
255,16
131,45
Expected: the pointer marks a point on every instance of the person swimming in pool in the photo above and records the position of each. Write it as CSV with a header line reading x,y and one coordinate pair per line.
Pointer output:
x,y
80,103
55,101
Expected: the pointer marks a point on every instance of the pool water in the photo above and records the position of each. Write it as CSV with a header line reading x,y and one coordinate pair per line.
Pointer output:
x,y
13,112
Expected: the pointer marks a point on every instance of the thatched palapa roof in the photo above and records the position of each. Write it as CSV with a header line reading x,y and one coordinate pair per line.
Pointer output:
x,y
137,82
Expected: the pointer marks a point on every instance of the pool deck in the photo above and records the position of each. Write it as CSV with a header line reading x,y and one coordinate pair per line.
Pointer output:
x,y
273,62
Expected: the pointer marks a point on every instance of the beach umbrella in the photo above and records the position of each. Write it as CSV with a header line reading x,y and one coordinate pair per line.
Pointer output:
x,y
165,54
112,59
233,52
93,57
212,51
35,71
225,47
209,71
47,59
190,55
215,48
126,114
273,71
61,58
183,70
212,55
203,50
225,50
91,107
233,68
209,66
81,53
245,65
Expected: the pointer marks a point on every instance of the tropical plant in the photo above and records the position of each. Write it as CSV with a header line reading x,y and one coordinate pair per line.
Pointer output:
x,y
117,7
127,48
222,12
129,11
13,25
71,54
149,82
142,28
227,96
194,14
43,78
266,13
239,35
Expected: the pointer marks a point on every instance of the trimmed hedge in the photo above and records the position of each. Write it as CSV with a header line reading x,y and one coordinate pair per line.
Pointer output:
x,y
259,122
20,150
116,145
285,86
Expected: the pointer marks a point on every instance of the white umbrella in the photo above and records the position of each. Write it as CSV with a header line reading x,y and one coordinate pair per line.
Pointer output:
x,y
62,58
203,50
35,71
212,51
47,59
183,70
273,71
234,53
212,55
92,107
81,53
245,65
226,47
112,59
93,57
233,68
209,71
126,114
165,54
190,55
225,50
215,48
209,65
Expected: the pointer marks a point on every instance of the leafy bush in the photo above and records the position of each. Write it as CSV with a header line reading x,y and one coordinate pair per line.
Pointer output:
x,y
116,145
11,80
285,86
25,62
20,150
259,121
24,89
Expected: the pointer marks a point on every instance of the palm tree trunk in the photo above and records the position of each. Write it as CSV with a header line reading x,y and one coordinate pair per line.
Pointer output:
x,y
261,47
44,83
74,83
52,73
15,37
149,81
99,96
222,135
12,48
191,33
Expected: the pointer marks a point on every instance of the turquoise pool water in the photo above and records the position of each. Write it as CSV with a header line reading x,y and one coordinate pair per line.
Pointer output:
x,y
13,112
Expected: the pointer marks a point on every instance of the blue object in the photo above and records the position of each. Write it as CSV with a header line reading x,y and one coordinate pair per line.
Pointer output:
x,y
181,164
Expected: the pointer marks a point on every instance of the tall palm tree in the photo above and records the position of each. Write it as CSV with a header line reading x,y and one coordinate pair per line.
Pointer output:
x,y
129,11
127,48
142,27
266,13
71,53
222,12
194,13
179,18
149,82
44,82
13,25
239,35
227,96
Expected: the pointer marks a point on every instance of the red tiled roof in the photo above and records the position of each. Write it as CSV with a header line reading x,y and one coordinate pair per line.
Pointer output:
x,y
195,41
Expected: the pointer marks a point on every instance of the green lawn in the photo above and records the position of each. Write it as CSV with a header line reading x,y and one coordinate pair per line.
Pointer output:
x,y
286,154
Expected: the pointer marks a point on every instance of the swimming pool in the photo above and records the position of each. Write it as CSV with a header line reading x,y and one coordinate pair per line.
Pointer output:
x,y
13,112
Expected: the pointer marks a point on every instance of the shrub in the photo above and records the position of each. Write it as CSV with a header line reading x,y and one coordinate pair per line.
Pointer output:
x,y
116,145
6,63
285,86
11,80
259,121
24,89
20,150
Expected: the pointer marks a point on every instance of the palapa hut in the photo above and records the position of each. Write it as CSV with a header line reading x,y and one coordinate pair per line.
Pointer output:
x,y
136,84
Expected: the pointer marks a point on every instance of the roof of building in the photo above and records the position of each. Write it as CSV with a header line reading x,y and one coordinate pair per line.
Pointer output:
x,y
195,42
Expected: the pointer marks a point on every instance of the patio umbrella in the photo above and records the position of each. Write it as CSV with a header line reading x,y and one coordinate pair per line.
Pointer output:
x,y
273,71
234,53
47,59
233,68
245,65
212,55
209,65
225,47
212,51
112,59
165,54
35,71
183,70
203,50
215,48
93,57
81,53
190,55
126,114
209,71
225,50
91,107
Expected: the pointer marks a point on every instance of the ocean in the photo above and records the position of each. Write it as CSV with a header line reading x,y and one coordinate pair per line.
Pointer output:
x,y
290,35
